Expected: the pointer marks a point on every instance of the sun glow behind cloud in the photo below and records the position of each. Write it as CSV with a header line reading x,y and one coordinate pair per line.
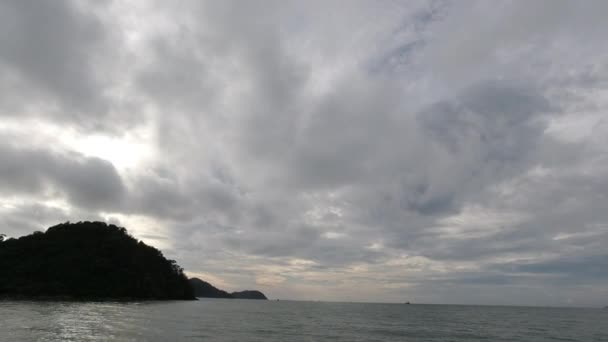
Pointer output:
x,y
125,152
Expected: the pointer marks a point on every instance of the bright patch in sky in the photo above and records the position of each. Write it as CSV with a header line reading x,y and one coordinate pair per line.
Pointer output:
x,y
125,152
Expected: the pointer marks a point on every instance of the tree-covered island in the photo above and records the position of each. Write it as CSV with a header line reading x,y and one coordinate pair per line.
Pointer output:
x,y
88,261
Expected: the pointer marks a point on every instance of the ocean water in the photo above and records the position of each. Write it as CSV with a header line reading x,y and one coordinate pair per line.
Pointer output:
x,y
249,320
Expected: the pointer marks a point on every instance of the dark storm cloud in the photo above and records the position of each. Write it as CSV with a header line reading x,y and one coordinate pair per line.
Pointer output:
x,y
87,182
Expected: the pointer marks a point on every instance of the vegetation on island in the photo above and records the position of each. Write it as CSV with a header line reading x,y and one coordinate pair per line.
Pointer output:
x,y
88,260
203,289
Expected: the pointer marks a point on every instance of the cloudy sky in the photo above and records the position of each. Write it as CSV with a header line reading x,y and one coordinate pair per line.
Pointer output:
x,y
438,152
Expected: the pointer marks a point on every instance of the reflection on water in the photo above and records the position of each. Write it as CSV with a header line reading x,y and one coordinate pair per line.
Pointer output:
x,y
67,321
246,320
73,321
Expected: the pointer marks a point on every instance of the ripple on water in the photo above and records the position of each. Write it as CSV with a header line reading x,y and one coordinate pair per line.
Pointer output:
x,y
242,320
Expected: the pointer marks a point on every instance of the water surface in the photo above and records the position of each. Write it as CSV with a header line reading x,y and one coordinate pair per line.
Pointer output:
x,y
250,320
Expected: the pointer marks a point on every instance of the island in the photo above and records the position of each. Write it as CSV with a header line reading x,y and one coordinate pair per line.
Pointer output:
x,y
249,294
88,261
203,289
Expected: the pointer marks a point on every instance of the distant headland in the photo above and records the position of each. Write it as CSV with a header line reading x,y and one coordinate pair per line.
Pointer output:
x,y
88,261
205,290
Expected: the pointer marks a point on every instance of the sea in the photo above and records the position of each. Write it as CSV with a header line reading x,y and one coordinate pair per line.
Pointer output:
x,y
252,320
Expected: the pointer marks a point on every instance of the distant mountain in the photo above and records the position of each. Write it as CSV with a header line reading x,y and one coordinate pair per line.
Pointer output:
x,y
204,289
88,260
249,294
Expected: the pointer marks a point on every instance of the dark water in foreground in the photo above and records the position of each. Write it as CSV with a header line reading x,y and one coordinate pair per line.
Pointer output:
x,y
248,320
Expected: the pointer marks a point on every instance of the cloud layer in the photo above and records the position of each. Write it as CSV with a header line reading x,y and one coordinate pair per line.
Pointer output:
x,y
436,151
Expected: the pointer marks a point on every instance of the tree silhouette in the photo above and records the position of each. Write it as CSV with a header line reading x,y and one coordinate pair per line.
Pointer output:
x,y
88,260
2,236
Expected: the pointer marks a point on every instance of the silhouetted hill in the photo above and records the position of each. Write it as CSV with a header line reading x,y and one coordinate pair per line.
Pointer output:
x,y
249,294
88,260
204,289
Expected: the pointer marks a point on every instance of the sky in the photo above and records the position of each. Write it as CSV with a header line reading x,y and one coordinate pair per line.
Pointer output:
x,y
386,151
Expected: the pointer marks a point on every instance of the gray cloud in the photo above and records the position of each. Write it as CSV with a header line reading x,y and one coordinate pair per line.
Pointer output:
x,y
429,150
581,269
29,218
57,55
487,134
86,182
